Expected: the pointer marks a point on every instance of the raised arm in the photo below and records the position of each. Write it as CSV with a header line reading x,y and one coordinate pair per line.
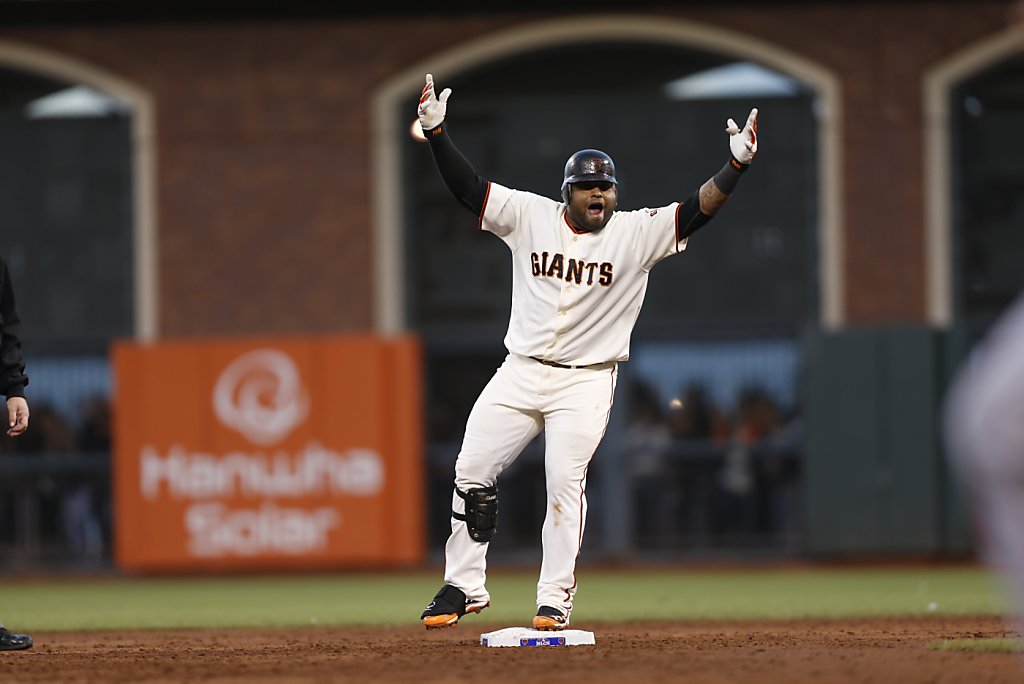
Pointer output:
x,y
458,174
705,203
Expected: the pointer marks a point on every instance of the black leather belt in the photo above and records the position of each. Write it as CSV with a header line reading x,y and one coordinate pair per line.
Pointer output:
x,y
555,364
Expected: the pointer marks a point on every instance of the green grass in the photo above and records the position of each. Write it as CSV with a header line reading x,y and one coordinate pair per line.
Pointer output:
x,y
393,598
984,645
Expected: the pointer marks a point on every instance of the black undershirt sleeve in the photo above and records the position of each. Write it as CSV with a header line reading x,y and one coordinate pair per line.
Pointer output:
x,y
12,363
458,174
689,217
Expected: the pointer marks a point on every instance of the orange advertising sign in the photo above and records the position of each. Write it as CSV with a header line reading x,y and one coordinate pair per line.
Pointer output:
x,y
268,453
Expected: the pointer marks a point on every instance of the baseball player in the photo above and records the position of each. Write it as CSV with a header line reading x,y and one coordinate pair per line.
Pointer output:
x,y
12,385
984,420
579,277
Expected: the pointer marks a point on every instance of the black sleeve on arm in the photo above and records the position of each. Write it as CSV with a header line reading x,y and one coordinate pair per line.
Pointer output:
x,y
12,365
456,171
689,217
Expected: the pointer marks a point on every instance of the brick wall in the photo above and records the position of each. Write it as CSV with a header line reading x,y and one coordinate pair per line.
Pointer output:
x,y
263,158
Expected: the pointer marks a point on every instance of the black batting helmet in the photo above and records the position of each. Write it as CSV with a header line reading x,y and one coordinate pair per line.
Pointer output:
x,y
587,165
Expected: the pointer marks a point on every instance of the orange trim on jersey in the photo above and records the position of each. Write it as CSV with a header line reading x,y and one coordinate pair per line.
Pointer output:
x,y
487,196
678,239
565,215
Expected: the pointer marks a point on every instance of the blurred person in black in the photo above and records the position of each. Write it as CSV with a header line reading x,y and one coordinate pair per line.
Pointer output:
x,y
647,438
12,384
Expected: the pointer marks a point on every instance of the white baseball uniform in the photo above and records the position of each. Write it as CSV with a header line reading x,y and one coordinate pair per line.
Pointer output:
x,y
576,296
984,417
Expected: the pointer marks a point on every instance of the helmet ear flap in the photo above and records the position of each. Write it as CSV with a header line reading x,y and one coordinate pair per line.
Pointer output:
x,y
566,192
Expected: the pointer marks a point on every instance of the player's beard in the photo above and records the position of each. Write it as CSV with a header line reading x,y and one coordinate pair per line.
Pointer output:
x,y
584,218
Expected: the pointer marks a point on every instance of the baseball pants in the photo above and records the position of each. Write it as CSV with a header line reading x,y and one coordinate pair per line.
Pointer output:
x,y
524,397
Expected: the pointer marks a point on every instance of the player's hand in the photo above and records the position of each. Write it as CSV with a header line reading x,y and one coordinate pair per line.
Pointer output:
x,y
17,416
743,143
432,108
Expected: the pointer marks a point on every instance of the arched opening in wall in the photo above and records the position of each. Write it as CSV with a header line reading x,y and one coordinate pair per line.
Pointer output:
x,y
987,164
66,197
720,324
68,232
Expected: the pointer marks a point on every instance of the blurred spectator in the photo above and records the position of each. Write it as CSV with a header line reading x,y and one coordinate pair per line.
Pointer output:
x,y
68,507
441,421
758,417
84,523
94,440
736,499
80,522
693,419
51,437
94,435
647,437
647,433
780,502
698,471
703,475
51,434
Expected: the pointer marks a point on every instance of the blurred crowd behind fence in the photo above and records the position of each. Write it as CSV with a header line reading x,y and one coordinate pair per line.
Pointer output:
x,y
710,454
703,458
55,493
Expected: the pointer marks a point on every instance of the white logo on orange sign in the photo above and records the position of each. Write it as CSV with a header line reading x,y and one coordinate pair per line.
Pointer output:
x,y
261,396
215,530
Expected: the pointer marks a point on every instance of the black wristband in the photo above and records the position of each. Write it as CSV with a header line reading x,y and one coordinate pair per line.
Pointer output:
x,y
738,165
727,178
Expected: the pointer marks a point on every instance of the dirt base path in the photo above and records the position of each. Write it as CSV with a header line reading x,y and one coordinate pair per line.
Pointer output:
x,y
822,652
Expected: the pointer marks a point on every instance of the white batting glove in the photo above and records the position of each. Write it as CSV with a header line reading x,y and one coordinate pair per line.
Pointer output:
x,y
432,108
743,143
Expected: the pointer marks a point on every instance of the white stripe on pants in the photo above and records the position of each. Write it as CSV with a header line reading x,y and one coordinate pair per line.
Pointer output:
x,y
523,397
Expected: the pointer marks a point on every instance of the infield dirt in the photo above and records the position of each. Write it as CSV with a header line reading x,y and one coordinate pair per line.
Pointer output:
x,y
791,651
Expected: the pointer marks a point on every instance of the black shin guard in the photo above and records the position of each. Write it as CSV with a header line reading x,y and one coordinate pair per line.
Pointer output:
x,y
481,516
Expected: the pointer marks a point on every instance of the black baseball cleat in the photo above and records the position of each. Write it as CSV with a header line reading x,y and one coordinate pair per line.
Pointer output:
x,y
448,606
9,641
550,619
